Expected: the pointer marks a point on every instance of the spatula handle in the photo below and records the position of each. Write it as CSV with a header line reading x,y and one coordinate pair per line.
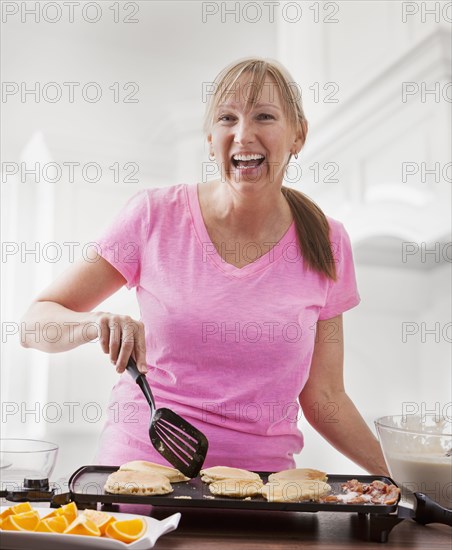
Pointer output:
x,y
140,379
429,511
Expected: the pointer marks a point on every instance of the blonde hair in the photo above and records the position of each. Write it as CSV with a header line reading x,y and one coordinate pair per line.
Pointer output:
x,y
310,221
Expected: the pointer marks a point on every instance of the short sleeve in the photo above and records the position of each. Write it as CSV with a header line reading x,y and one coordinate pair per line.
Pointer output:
x,y
123,242
342,294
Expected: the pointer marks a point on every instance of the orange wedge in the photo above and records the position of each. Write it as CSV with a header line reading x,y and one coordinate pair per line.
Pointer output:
x,y
21,508
128,530
27,521
101,519
56,524
6,513
70,512
16,509
7,525
83,526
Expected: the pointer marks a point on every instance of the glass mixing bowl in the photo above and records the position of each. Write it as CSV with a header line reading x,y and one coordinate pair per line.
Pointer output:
x,y
25,459
418,453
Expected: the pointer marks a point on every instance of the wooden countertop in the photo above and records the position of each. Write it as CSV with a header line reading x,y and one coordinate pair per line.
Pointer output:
x,y
202,529
207,529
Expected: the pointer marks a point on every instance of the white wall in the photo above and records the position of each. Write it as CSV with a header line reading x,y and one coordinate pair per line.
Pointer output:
x,y
393,364
369,133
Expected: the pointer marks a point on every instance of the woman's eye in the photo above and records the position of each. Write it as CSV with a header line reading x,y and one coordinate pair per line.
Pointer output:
x,y
229,118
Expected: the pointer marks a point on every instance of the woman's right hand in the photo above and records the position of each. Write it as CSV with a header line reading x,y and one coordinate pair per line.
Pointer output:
x,y
121,336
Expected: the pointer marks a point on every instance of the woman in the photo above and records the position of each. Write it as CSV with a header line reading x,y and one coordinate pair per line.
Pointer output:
x,y
241,282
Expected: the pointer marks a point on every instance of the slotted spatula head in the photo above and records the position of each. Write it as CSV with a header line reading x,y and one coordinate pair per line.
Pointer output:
x,y
183,445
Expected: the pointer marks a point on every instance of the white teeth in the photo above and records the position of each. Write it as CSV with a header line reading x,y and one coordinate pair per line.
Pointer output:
x,y
254,156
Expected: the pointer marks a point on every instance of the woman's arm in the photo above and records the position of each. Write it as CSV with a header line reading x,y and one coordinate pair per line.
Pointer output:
x,y
328,408
60,318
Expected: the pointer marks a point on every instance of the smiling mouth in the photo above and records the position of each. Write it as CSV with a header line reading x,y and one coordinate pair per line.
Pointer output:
x,y
247,163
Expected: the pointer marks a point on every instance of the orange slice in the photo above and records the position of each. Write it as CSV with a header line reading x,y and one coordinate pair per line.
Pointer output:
x,y
27,521
128,530
16,509
101,519
6,513
56,524
7,525
83,526
21,508
70,512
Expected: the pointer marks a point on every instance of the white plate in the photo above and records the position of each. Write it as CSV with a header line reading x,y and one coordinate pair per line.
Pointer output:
x,y
18,540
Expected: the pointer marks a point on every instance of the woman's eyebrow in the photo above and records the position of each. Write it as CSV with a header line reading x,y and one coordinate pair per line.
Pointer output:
x,y
260,105
256,106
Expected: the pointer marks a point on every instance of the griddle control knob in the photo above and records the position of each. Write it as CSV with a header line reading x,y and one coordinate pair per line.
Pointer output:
x,y
34,483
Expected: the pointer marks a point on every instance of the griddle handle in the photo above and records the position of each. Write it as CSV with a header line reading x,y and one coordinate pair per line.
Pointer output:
x,y
429,511
140,379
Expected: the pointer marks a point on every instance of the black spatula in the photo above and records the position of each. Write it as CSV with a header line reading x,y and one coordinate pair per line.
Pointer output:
x,y
183,445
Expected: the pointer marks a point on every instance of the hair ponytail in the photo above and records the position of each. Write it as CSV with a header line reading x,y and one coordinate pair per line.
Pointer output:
x,y
312,231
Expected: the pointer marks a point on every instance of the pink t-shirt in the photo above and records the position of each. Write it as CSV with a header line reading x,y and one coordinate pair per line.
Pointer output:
x,y
228,349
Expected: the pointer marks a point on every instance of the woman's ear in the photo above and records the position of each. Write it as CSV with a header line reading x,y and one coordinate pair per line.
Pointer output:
x,y
302,132
209,141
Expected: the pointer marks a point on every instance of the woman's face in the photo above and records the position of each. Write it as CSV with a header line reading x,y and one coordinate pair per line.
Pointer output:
x,y
263,132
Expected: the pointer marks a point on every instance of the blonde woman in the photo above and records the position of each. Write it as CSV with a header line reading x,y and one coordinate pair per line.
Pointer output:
x,y
241,282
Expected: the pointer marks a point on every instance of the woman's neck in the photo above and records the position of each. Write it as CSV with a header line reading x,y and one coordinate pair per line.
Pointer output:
x,y
247,215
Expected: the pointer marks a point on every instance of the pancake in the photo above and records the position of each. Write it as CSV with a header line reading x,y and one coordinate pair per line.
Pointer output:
x,y
172,474
236,488
298,474
137,483
218,473
295,491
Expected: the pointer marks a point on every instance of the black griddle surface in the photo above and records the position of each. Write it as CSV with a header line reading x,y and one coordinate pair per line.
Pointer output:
x,y
86,485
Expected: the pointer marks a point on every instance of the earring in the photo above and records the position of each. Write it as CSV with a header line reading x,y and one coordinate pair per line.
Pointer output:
x,y
296,155
211,156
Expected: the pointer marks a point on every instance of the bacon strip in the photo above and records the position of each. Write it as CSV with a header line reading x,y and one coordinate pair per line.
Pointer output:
x,y
378,491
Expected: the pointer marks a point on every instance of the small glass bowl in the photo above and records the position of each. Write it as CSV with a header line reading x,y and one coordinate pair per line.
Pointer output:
x,y
25,459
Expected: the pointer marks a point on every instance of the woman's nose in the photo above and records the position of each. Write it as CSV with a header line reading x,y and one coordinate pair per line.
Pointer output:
x,y
244,132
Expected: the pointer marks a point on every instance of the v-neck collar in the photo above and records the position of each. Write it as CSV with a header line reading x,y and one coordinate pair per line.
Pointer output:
x,y
210,252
